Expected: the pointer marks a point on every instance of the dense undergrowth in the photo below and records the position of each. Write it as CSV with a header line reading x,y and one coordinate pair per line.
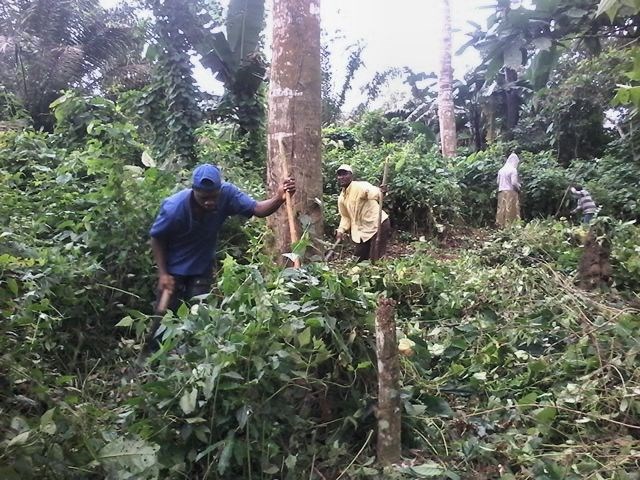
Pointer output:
x,y
428,191
516,373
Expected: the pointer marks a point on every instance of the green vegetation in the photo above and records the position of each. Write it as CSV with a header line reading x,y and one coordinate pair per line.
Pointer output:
x,y
514,370
511,370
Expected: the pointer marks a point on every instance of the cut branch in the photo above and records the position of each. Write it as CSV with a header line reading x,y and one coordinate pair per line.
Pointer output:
x,y
388,446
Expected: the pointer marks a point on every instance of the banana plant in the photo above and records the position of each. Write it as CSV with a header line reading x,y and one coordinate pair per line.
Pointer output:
x,y
234,57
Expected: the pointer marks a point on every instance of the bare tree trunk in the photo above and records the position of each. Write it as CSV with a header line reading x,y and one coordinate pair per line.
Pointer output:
x,y
388,446
295,116
446,112
512,101
490,116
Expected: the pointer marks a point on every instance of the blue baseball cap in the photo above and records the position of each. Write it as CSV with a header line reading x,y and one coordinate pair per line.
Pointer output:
x,y
207,177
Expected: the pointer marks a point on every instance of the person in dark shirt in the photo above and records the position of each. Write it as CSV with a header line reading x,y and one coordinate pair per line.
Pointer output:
x,y
185,231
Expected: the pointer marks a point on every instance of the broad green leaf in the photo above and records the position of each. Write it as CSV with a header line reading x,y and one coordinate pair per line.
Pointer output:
x,y
304,338
528,399
64,178
627,95
129,459
291,256
368,471
125,322
210,381
219,57
20,439
245,20
206,452
291,461
225,456
193,420
147,160
183,310
364,365
13,285
437,406
610,7
270,469
188,401
242,415
481,376
414,410
47,424
427,470
546,415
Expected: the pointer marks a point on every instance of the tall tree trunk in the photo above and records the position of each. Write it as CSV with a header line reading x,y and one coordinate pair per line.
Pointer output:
x,y
489,111
512,101
446,113
294,117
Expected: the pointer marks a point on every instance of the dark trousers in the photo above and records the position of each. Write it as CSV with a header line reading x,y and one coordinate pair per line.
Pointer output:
x,y
371,250
186,287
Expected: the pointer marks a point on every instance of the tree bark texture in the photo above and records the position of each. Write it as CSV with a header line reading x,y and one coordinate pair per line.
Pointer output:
x,y
388,446
512,101
294,142
594,269
446,112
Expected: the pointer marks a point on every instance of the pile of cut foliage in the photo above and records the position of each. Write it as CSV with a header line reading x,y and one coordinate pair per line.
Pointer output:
x,y
515,373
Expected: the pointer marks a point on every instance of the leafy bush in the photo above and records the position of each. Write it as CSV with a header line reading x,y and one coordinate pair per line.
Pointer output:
x,y
543,183
273,374
376,129
613,183
477,177
11,109
264,366
74,245
557,244
625,256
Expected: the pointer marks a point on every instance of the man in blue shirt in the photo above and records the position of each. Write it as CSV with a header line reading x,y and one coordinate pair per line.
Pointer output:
x,y
185,232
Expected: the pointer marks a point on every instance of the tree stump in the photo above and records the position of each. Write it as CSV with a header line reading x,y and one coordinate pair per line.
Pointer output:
x,y
388,446
594,269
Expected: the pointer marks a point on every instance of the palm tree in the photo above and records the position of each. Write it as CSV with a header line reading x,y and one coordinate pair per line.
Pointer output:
x,y
446,112
51,45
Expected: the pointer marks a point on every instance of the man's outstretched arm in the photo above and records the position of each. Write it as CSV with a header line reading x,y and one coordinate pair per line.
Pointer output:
x,y
265,208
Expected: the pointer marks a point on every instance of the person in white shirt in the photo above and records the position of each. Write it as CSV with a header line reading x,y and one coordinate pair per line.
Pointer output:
x,y
508,192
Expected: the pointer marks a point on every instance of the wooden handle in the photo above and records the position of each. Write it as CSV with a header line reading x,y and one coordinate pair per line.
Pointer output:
x,y
293,233
331,251
384,182
164,302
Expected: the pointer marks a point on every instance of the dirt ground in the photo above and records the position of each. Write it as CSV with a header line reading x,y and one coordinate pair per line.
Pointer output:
x,y
444,246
